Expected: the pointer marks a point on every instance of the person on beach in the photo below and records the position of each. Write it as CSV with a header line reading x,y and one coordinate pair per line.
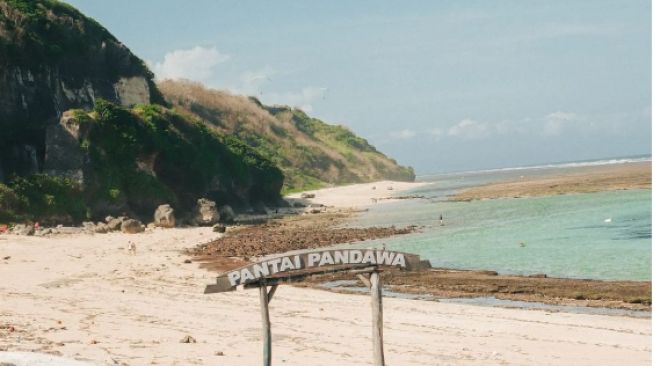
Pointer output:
x,y
441,220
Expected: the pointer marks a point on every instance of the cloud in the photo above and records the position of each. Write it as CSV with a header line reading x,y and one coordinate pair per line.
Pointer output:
x,y
469,129
437,133
556,122
196,64
403,134
303,99
554,31
199,64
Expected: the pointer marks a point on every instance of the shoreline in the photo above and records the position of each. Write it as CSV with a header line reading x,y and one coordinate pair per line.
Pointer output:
x,y
323,230
357,196
88,297
317,231
589,179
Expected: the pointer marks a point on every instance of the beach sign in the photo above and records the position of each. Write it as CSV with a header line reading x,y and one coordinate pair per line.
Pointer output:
x,y
294,266
290,267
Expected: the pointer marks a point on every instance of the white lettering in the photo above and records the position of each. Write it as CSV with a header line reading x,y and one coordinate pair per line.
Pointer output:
x,y
340,258
261,269
298,262
326,259
355,256
233,278
286,264
369,257
399,260
275,264
383,257
246,275
312,258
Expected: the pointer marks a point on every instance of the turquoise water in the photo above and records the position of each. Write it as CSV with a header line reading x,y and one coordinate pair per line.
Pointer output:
x,y
562,236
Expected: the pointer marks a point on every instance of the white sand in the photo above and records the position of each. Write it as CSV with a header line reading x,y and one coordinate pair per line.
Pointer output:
x,y
85,297
359,195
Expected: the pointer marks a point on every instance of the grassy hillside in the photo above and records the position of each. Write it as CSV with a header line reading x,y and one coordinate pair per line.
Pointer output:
x,y
311,153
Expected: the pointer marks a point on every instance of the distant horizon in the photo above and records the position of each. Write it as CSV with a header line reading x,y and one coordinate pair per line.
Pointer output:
x,y
552,164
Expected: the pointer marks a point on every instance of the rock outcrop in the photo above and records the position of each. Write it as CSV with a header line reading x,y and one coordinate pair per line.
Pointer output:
x,y
131,226
206,212
23,229
164,216
114,223
52,59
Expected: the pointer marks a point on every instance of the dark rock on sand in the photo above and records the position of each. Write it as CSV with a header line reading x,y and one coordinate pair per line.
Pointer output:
x,y
206,212
227,214
115,224
164,216
131,226
23,229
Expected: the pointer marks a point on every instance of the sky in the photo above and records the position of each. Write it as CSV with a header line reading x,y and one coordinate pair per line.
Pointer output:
x,y
438,85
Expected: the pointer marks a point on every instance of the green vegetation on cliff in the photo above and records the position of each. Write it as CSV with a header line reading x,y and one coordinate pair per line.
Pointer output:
x,y
141,158
49,32
311,153
151,155
39,196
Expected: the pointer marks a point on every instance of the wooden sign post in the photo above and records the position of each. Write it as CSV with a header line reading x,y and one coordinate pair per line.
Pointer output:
x,y
271,272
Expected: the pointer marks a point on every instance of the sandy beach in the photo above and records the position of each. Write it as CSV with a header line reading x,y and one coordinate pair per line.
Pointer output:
x,y
87,297
358,195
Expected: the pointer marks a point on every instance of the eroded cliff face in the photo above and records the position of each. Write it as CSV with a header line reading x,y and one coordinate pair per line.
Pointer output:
x,y
53,59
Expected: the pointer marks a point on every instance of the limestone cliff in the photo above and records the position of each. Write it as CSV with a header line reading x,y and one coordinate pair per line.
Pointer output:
x,y
52,59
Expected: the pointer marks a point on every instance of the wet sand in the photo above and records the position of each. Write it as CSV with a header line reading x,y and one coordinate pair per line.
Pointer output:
x,y
314,231
565,181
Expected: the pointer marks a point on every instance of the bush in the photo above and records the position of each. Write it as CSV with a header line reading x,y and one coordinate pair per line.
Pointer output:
x,y
47,198
10,205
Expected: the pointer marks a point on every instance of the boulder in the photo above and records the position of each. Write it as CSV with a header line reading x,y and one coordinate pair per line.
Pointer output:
x,y
164,216
101,228
188,339
115,224
23,229
43,232
307,195
206,212
219,228
227,214
298,205
131,226
88,226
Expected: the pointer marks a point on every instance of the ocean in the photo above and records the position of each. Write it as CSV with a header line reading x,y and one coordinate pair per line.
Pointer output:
x,y
605,235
